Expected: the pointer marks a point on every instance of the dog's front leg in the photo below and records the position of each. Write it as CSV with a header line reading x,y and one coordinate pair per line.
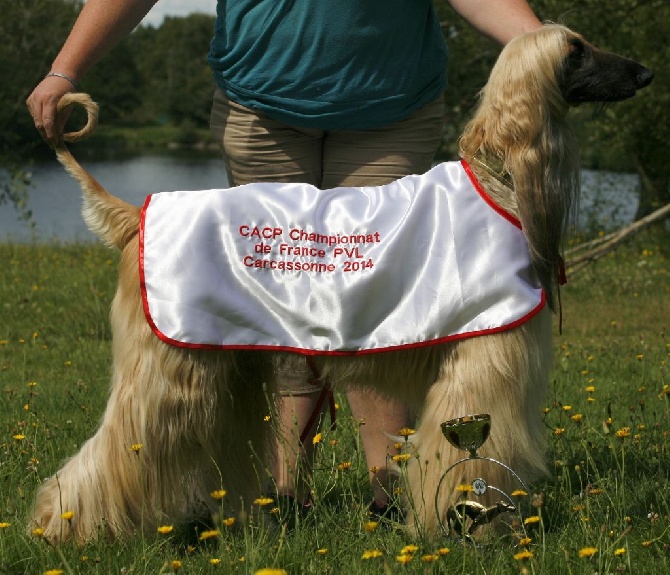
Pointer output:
x,y
504,375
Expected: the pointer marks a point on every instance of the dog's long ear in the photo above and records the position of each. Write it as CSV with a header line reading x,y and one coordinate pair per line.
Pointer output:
x,y
521,120
110,218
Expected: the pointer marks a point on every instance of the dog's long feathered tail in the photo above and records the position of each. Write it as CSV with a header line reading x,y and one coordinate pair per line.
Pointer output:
x,y
110,218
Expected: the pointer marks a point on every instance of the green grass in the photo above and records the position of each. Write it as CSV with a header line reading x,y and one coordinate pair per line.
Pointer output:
x,y
608,448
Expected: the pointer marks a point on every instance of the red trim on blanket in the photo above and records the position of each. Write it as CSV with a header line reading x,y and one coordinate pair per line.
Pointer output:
x,y
143,286
488,199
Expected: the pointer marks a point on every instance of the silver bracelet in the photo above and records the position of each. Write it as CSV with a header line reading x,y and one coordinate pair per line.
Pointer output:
x,y
65,77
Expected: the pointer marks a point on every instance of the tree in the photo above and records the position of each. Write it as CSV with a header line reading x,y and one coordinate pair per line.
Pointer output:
x,y
32,31
173,63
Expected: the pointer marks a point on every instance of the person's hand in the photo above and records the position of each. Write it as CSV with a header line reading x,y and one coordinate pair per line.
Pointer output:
x,y
42,107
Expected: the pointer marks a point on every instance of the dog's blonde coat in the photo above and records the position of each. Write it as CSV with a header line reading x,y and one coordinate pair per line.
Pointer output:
x,y
198,415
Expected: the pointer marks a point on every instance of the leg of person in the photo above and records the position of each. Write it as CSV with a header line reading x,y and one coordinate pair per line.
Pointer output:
x,y
377,157
256,148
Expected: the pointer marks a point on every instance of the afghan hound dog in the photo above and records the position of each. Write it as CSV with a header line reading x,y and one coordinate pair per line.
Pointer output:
x,y
194,413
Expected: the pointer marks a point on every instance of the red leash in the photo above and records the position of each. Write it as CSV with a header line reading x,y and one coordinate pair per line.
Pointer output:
x,y
326,392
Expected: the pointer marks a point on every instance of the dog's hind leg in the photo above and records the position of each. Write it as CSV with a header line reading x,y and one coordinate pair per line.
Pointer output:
x,y
504,375
175,420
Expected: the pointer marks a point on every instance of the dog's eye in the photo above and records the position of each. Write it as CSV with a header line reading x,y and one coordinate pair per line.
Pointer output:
x,y
577,49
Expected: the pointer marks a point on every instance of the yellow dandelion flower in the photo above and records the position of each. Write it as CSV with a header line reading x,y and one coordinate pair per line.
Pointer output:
x,y
567,408
229,521
68,515
590,388
639,356
559,430
372,554
404,558
409,549
344,465
647,543
525,541
322,551
464,488
54,572
521,555
590,399
266,418
333,442
274,511
402,457
165,529
588,551
623,432
443,551
430,558
595,491
211,534
270,571
370,526
214,561
38,532
531,520
519,493
317,438
263,501
619,552
577,417
218,494
406,431
4,525
83,558
19,436
176,564
136,447
399,445
374,469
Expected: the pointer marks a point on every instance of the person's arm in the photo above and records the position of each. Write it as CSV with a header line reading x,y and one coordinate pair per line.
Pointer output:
x,y
500,20
101,25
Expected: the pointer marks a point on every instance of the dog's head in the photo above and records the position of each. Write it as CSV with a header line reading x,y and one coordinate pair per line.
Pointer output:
x,y
559,68
617,78
521,122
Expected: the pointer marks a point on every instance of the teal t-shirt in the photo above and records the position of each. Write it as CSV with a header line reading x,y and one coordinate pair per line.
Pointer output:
x,y
329,64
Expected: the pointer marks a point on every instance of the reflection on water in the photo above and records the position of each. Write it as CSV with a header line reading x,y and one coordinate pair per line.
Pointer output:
x,y
608,200
55,198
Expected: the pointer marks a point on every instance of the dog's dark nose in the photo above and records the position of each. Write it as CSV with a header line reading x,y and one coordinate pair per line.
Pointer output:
x,y
644,77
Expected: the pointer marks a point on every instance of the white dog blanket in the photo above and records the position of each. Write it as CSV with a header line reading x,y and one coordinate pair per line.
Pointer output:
x,y
425,259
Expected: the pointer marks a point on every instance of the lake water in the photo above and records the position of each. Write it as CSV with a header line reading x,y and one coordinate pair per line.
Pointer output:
x,y
55,198
608,200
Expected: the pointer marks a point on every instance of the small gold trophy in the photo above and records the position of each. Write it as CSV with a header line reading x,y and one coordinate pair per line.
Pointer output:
x,y
468,433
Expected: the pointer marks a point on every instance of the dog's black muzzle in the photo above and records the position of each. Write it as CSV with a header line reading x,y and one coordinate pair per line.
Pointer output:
x,y
592,75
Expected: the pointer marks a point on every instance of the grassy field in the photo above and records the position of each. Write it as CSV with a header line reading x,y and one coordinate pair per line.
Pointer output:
x,y
605,509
